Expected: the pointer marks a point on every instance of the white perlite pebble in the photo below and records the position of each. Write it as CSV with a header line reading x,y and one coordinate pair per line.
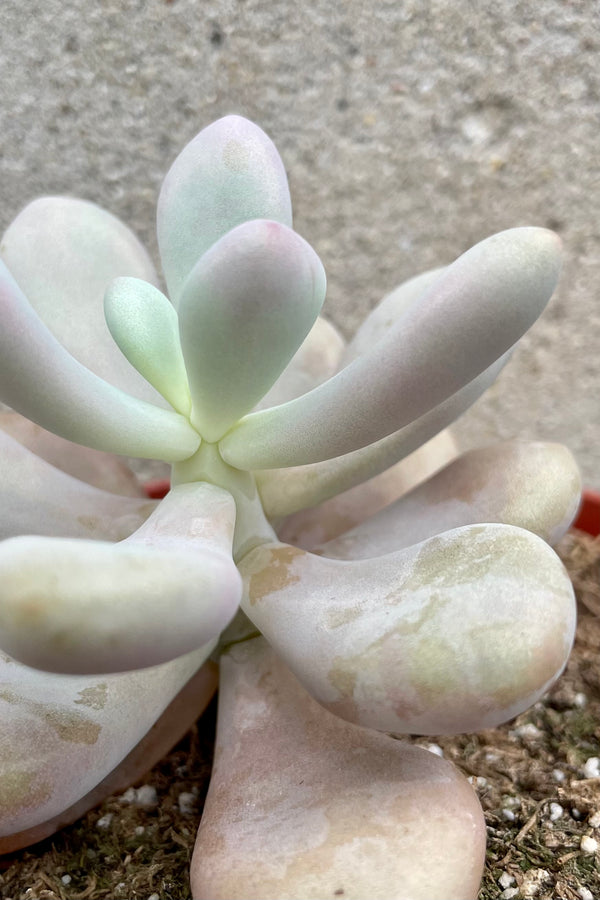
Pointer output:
x,y
591,768
478,781
506,880
66,879
186,803
146,796
433,748
558,775
509,893
588,844
580,700
533,881
153,897
528,732
139,830
508,815
556,811
585,893
594,819
104,823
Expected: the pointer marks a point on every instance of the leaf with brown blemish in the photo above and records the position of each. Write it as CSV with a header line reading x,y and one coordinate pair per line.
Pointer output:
x,y
274,571
70,726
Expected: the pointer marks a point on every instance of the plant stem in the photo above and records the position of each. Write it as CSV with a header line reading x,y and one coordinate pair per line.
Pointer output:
x,y
251,525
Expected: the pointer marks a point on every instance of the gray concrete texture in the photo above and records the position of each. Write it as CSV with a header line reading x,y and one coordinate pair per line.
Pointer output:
x,y
409,130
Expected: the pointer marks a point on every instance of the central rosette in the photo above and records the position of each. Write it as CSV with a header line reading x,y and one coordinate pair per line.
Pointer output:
x,y
243,311
374,626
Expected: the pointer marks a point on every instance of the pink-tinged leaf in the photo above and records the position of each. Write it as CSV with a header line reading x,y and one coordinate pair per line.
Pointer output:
x,y
478,308
84,607
458,633
387,314
531,485
228,174
36,498
102,470
286,491
62,735
311,528
302,804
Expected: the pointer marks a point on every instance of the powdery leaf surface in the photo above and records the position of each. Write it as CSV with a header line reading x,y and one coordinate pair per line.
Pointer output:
x,y
534,776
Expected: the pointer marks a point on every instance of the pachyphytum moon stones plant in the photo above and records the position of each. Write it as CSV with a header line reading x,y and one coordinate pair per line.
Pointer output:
x,y
342,606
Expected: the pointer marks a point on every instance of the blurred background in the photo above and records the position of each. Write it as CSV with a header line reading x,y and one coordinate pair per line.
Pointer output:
x,y
409,130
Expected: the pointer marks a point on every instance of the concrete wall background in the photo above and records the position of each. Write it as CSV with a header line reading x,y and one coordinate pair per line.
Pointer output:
x,y
409,130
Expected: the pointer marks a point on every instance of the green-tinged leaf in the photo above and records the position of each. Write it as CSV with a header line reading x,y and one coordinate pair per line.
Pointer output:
x,y
43,382
228,174
146,328
316,360
245,309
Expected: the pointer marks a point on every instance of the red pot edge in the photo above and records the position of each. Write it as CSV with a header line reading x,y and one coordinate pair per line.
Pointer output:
x,y
157,489
588,517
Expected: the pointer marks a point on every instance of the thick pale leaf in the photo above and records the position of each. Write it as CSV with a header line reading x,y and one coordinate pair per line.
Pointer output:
x,y
43,382
63,253
36,498
170,727
458,633
245,309
302,804
145,326
285,491
62,735
478,308
310,528
102,470
532,485
387,314
88,607
316,360
228,174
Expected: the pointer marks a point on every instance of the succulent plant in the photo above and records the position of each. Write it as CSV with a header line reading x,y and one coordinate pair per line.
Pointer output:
x,y
344,601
